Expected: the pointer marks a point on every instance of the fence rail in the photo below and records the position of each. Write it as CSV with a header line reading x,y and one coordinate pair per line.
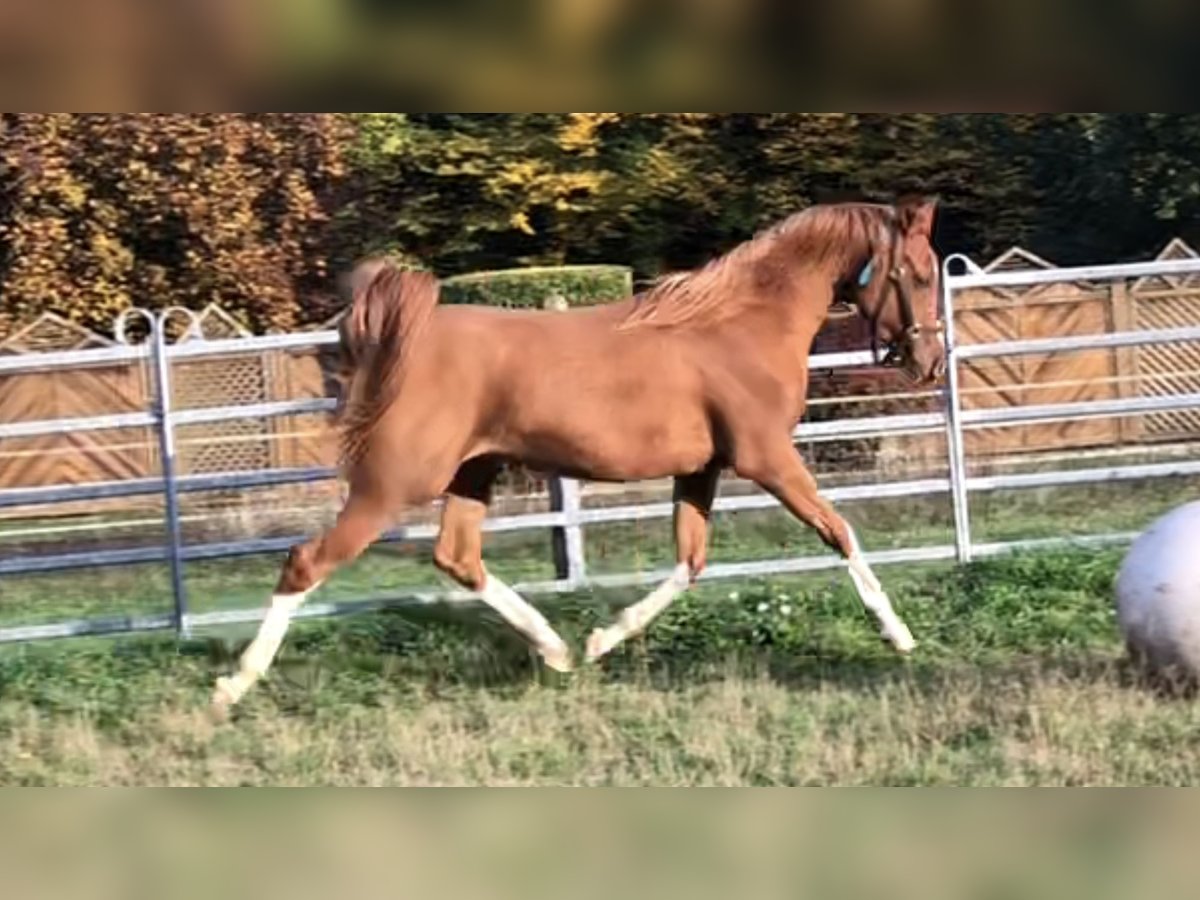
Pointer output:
x,y
569,518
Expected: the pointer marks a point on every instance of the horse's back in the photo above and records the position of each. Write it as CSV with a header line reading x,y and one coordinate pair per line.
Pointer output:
x,y
571,389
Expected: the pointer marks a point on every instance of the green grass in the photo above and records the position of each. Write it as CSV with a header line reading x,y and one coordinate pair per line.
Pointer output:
x,y
1018,679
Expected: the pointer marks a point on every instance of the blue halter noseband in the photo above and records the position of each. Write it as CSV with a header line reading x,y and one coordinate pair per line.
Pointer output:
x,y
864,277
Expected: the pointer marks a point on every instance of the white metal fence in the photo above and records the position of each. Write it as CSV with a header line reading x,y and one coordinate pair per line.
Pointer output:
x,y
568,517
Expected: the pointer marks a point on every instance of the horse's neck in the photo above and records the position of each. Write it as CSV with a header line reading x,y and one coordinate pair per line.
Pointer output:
x,y
786,326
805,310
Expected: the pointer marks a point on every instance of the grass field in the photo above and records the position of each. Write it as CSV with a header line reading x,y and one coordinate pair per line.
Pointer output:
x,y
1019,677
1018,680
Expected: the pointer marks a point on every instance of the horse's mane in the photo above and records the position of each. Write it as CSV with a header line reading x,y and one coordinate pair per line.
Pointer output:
x,y
763,264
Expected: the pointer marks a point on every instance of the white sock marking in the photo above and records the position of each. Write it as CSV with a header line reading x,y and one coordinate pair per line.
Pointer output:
x,y
257,657
634,619
873,597
527,620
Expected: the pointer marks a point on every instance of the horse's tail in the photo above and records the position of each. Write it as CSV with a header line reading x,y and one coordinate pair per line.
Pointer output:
x,y
390,310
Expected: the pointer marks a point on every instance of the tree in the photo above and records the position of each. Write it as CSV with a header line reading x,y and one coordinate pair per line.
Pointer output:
x,y
1147,188
256,212
462,191
101,212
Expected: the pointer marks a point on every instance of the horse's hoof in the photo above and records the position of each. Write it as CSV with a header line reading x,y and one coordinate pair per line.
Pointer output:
x,y
557,658
218,712
901,639
599,643
224,696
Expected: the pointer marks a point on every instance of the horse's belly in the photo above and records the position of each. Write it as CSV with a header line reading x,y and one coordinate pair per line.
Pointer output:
x,y
629,451
616,415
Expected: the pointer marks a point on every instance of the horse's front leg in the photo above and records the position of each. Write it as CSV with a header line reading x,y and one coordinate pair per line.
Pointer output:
x,y
693,506
777,468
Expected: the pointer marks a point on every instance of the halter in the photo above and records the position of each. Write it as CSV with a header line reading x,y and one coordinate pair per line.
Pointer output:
x,y
900,280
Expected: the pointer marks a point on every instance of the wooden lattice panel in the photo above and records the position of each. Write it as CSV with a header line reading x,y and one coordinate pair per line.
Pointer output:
x,y
1177,249
215,324
1165,369
1016,259
233,445
50,332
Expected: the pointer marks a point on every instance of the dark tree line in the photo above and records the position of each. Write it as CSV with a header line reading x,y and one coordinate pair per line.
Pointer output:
x,y
256,211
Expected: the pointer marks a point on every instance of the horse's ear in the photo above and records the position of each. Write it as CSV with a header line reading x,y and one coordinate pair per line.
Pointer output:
x,y
915,214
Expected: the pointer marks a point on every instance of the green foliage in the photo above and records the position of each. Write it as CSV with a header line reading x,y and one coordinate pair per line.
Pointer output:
x,y
1146,173
990,611
258,211
101,212
529,288
467,192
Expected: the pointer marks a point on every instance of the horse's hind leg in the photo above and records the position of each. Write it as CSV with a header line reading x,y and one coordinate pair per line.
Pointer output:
x,y
307,565
781,472
459,553
693,504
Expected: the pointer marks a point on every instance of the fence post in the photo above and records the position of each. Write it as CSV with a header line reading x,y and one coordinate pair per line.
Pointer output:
x,y
569,563
166,444
1122,317
954,433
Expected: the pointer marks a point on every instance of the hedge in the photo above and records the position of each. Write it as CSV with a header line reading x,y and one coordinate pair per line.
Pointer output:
x,y
529,288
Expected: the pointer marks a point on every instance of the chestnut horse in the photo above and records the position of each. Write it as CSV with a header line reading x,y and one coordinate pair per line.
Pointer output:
x,y
706,370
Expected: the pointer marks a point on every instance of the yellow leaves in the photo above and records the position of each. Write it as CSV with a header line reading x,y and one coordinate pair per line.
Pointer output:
x,y
110,253
691,126
519,174
520,221
540,183
73,195
662,167
527,184
167,209
579,134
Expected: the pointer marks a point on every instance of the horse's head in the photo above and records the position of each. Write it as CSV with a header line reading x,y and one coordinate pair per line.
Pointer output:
x,y
896,289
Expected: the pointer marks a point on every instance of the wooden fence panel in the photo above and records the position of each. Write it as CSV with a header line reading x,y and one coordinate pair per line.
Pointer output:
x,y
1035,379
76,457
307,440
